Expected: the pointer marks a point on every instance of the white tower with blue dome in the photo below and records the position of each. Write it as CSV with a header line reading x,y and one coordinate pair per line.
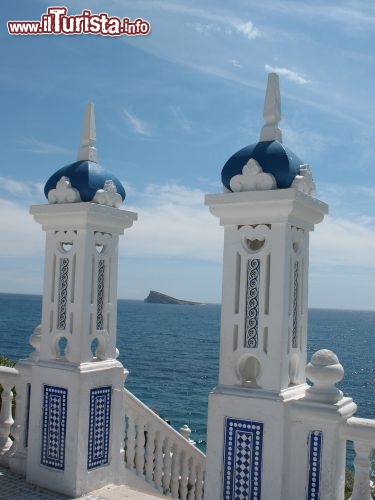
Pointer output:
x,y
75,424
267,210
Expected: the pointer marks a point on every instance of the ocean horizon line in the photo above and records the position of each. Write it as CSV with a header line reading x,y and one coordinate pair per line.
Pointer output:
x,y
318,308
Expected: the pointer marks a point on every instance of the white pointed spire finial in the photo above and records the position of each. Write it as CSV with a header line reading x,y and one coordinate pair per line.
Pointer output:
x,y
272,111
88,137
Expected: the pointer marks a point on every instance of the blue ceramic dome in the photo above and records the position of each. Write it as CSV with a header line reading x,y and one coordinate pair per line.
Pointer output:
x,y
272,156
85,176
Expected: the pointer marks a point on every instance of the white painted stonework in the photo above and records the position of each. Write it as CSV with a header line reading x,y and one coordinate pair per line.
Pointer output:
x,y
88,136
64,192
76,427
77,368
252,179
272,111
263,330
108,195
304,181
270,434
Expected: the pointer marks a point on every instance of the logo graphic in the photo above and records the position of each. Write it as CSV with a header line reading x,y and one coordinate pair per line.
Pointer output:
x,y
57,22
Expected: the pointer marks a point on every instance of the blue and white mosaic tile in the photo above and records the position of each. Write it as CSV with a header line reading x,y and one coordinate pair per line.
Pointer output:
x,y
99,427
100,296
63,293
243,443
295,305
252,303
314,465
55,409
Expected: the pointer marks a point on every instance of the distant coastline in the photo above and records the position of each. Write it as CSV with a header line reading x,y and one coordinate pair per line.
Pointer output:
x,y
161,298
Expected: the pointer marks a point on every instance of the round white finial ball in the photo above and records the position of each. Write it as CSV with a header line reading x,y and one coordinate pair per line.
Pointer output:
x,y
185,431
324,371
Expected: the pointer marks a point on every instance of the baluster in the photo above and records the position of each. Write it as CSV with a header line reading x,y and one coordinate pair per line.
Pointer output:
x,y
167,467
362,466
158,473
199,483
19,422
140,448
175,473
6,419
150,448
184,476
130,442
192,479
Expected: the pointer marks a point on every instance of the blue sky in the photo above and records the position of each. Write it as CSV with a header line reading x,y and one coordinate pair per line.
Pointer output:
x,y
171,107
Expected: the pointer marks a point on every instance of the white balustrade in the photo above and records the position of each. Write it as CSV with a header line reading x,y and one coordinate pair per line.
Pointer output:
x,y
161,455
8,379
362,432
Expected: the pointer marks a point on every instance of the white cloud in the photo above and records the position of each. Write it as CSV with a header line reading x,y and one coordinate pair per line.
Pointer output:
x,y
358,15
306,144
44,148
173,221
25,189
21,237
228,26
291,75
350,15
204,27
137,125
338,196
344,242
236,63
180,118
246,28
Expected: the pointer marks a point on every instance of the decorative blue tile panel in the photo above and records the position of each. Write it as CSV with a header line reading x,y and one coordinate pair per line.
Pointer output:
x,y
54,426
63,293
100,296
295,305
252,303
27,419
99,427
314,465
242,459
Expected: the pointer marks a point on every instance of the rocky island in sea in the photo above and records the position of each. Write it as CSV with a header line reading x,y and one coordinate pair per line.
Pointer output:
x,y
160,298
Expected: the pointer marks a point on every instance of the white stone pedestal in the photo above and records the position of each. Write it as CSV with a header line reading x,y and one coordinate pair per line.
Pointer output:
x,y
77,431
76,414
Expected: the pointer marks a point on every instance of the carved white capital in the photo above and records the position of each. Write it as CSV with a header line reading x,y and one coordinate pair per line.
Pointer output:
x,y
252,179
304,181
108,195
64,192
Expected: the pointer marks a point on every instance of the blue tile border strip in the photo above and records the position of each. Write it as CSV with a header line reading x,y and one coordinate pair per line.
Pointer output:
x,y
55,409
295,305
27,419
242,471
252,303
63,293
100,296
99,427
314,465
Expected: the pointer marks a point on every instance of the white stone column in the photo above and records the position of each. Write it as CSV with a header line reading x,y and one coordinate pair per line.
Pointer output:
x,y
76,422
263,338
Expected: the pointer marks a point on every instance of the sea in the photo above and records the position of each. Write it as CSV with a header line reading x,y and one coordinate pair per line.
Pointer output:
x,y
172,352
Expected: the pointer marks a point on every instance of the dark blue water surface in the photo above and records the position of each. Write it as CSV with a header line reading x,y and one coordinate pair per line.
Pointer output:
x,y
172,352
